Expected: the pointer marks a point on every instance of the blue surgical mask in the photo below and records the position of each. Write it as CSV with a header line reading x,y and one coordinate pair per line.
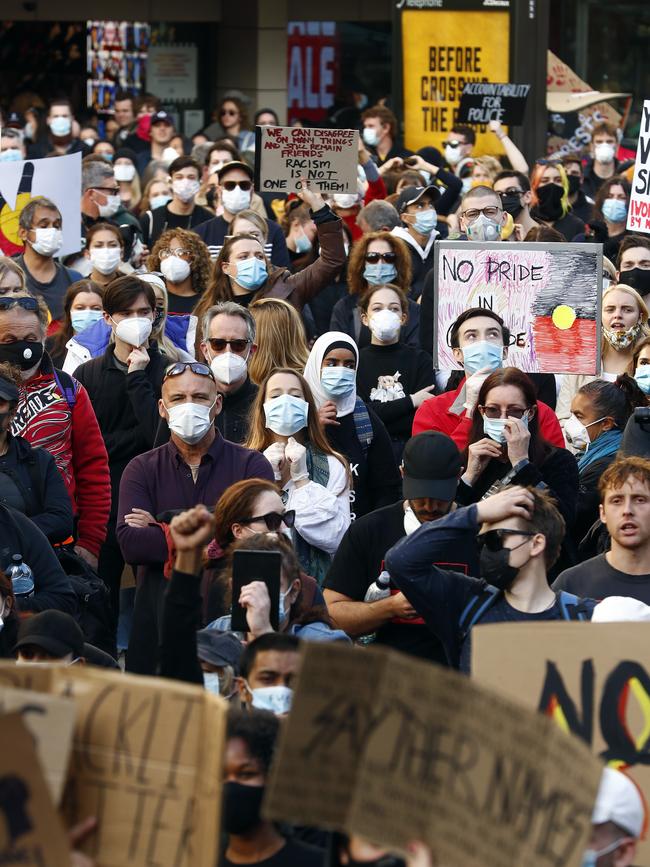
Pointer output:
x,y
642,376
251,273
61,126
614,210
282,610
338,381
379,274
83,318
159,201
425,221
370,136
494,427
303,244
11,155
286,415
591,856
482,354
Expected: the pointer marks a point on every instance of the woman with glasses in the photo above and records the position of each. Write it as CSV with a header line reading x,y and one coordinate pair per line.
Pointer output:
x,y
550,188
376,259
233,118
184,261
105,250
315,479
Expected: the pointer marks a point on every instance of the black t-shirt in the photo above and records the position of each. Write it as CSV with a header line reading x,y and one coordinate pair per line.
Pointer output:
x,y
179,304
596,578
357,563
293,854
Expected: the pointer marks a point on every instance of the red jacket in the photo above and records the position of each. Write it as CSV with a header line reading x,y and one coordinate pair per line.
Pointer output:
x,y
435,414
73,438
376,190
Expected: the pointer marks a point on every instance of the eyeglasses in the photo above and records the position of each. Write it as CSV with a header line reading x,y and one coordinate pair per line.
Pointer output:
x,y
230,111
388,258
111,191
453,144
232,185
493,539
495,412
273,520
9,301
182,254
474,213
218,344
195,366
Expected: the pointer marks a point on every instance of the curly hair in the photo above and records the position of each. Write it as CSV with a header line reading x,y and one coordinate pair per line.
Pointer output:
x,y
241,108
258,729
357,283
200,264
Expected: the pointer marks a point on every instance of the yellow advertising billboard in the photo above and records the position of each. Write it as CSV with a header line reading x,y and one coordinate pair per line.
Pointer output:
x,y
442,51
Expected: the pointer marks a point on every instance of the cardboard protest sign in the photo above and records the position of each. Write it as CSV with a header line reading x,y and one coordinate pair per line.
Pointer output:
x,y
31,834
286,156
638,215
55,178
549,296
147,759
51,720
592,680
482,102
395,749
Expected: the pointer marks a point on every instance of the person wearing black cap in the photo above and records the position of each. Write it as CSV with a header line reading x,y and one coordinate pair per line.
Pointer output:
x,y
430,470
417,209
235,191
51,636
161,133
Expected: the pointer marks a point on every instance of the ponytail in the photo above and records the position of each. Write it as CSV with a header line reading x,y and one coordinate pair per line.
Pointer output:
x,y
615,400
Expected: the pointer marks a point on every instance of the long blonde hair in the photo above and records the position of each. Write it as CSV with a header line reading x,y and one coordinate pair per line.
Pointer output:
x,y
644,331
280,338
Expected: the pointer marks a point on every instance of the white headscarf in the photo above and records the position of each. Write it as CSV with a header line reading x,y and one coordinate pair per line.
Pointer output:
x,y
344,405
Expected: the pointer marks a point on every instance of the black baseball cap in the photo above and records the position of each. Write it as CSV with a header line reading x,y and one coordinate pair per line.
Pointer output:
x,y
161,117
431,464
15,120
54,632
235,164
8,391
411,195
218,648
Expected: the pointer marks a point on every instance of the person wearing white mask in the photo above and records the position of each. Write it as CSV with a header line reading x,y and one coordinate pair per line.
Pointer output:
x,y
105,250
380,134
195,466
458,145
100,199
393,378
181,212
604,165
183,260
40,229
61,132
228,344
126,174
12,146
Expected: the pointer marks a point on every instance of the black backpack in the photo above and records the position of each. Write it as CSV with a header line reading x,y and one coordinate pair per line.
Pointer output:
x,y
94,611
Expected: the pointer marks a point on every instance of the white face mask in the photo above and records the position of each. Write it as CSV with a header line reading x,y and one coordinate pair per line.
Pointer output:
x,y
236,200
385,325
111,207
135,330
124,172
175,269
453,155
190,421
576,432
105,259
47,241
276,699
345,200
604,152
211,682
411,523
228,367
185,189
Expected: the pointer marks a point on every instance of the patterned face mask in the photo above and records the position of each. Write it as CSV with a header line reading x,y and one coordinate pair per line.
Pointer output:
x,y
623,339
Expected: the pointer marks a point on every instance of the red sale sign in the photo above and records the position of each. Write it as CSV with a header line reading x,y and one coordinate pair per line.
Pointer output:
x,y
312,74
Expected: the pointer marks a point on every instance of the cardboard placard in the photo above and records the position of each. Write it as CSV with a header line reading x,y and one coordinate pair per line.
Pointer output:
x,y
51,720
147,759
592,679
549,296
482,102
396,749
286,156
31,834
638,215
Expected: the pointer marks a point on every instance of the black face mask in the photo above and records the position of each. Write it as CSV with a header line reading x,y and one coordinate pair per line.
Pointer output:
x,y
383,861
550,201
637,278
512,204
241,807
574,185
24,353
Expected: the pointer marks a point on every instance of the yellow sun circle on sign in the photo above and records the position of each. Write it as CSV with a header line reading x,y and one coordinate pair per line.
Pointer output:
x,y
563,317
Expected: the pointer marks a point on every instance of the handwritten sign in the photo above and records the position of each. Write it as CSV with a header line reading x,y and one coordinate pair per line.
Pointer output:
x,y
287,156
638,216
31,833
592,680
482,102
549,296
395,749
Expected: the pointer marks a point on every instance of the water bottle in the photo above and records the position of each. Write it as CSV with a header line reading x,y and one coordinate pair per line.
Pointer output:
x,y
21,577
379,589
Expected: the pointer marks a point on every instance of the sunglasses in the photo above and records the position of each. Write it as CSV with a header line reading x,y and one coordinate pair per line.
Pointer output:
x,y
230,111
27,303
273,520
232,185
218,344
453,144
195,366
388,258
493,539
495,412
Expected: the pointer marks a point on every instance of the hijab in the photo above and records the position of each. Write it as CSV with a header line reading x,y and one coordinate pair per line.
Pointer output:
x,y
344,405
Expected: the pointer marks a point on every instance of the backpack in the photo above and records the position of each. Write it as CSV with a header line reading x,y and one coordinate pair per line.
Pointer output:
x,y
94,610
571,606
67,386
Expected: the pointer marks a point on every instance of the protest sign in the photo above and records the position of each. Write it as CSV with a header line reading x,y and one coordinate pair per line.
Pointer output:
x,y
50,720
147,759
31,834
548,295
592,680
286,156
395,749
58,179
482,102
638,215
